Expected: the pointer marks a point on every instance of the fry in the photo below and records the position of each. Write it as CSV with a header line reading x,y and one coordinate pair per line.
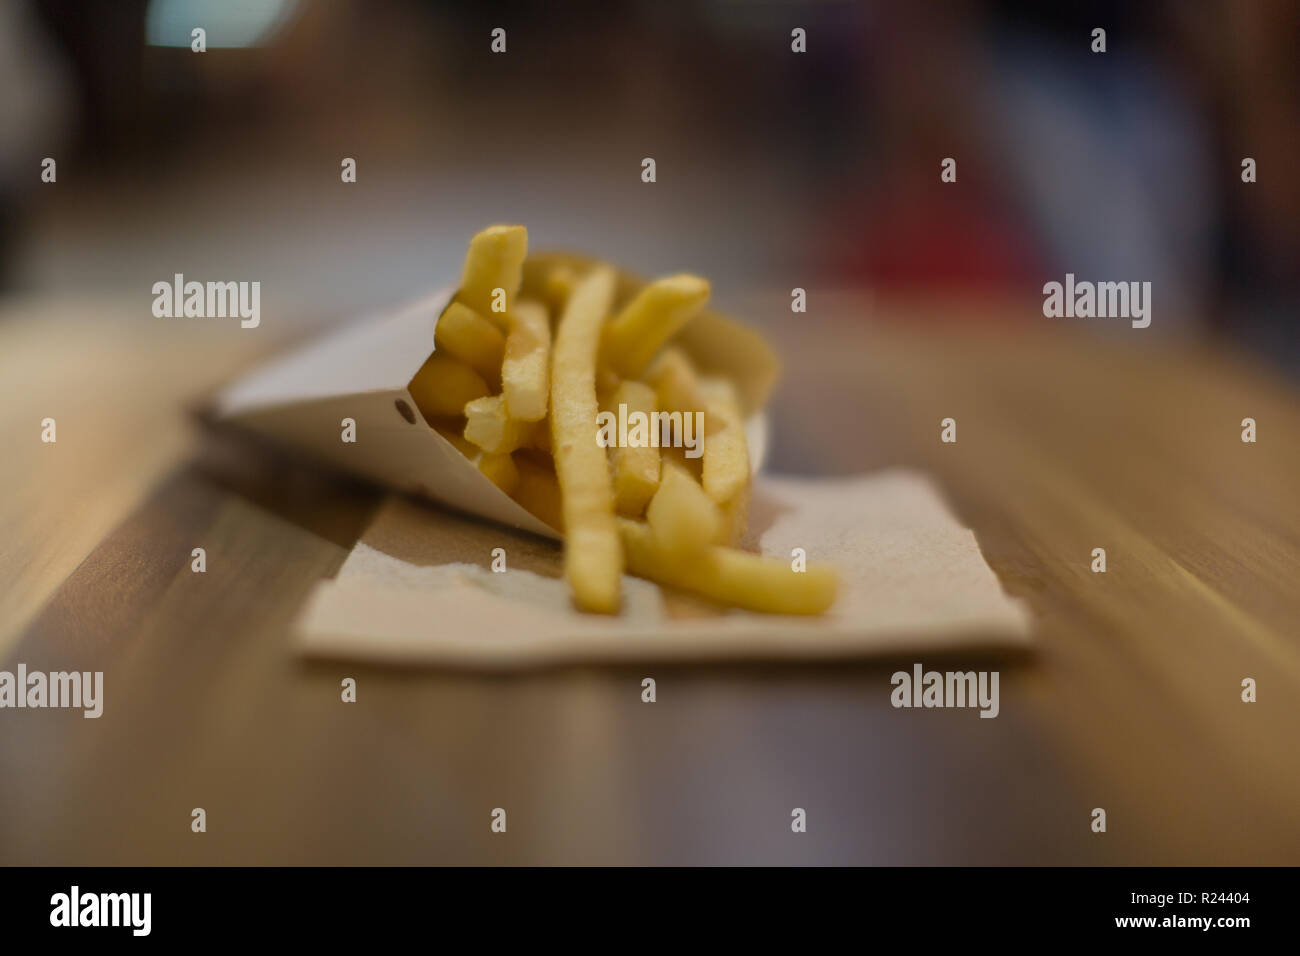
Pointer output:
x,y
500,470
464,334
673,378
607,383
653,317
735,519
683,520
466,448
557,286
726,451
721,403
593,559
636,467
489,427
444,385
539,492
731,577
495,261
671,454
525,373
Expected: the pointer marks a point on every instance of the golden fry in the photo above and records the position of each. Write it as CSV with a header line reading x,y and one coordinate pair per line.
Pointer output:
x,y
455,436
500,470
464,334
489,427
495,261
735,519
673,378
557,287
654,316
444,385
526,372
683,520
726,450
538,491
636,468
593,558
731,577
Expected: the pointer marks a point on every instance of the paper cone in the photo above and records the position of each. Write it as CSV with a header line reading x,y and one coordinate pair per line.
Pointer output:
x,y
363,371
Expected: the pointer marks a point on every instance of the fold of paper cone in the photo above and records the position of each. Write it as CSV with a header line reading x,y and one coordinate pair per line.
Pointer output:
x,y
362,371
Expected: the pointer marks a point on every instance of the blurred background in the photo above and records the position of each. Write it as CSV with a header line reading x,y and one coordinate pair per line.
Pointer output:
x,y
774,169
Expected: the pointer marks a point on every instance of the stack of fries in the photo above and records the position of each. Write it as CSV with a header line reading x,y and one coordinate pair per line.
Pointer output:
x,y
528,354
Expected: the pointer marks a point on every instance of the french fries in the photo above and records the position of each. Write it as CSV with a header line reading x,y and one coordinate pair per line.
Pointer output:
x,y
673,378
457,437
444,385
656,314
526,370
735,520
489,426
726,451
683,520
555,290
730,577
501,470
593,560
464,334
538,491
495,261
521,389
636,467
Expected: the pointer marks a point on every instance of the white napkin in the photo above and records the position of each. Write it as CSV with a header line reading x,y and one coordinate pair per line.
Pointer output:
x,y
418,588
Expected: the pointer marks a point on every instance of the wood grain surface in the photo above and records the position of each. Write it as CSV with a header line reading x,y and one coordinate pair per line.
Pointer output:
x,y
1066,442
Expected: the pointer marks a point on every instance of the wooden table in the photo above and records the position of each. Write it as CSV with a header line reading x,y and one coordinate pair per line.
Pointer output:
x,y
1067,441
